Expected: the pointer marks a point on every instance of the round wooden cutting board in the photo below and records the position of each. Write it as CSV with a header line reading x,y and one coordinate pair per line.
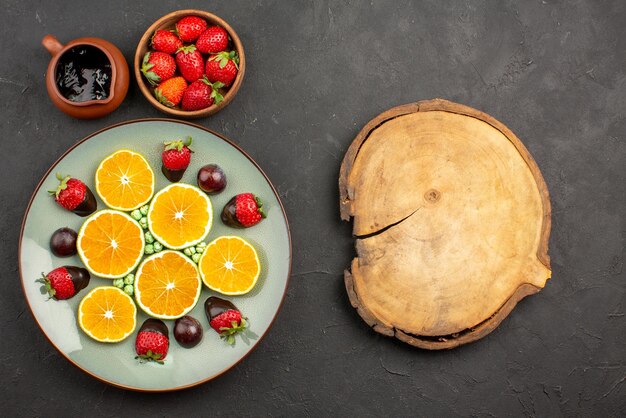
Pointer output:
x,y
451,220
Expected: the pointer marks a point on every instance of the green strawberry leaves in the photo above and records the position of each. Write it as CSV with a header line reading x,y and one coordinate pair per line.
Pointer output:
x,y
215,94
186,49
224,56
150,356
162,98
47,287
62,185
146,66
228,333
178,144
259,205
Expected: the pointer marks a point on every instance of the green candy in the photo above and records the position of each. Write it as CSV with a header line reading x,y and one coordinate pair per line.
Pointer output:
x,y
130,279
129,289
136,214
143,222
157,246
148,237
149,249
118,283
196,257
144,210
199,250
187,252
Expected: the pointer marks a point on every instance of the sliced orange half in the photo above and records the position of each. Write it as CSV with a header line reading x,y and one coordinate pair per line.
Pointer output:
x,y
167,285
124,180
180,216
107,314
110,243
230,265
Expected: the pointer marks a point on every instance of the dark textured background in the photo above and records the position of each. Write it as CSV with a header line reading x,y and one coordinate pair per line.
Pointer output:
x,y
553,71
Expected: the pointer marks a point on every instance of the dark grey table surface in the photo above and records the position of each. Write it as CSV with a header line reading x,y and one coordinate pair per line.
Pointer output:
x,y
553,71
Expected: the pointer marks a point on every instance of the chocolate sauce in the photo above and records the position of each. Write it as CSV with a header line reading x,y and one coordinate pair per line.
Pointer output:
x,y
215,306
80,277
154,325
172,175
87,206
84,73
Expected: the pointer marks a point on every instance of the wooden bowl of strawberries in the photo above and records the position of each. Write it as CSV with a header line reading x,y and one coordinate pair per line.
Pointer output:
x,y
189,64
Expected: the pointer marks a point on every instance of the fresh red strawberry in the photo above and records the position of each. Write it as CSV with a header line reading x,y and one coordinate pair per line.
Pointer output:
x,y
158,67
226,319
190,63
170,92
166,41
189,28
72,194
201,94
175,158
212,40
243,211
222,67
64,282
152,342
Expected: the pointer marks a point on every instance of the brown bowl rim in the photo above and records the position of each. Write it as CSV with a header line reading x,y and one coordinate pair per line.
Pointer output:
x,y
190,114
70,149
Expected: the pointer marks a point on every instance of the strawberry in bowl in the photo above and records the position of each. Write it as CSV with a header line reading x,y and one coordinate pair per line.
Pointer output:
x,y
207,55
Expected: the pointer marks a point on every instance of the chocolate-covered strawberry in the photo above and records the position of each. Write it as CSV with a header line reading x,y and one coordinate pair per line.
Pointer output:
x,y
243,211
175,158
226,319
152,342
73,195
64,282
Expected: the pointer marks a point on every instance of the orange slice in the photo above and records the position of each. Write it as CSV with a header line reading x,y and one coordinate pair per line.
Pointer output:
x,y
230,265
110,244
107,314
167,285
180,216
124,180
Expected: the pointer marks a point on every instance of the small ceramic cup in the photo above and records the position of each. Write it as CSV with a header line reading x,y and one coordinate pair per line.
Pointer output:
x,y
89,109
168,22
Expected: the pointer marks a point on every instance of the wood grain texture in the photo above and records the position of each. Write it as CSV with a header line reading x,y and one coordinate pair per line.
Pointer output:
x,y
451,218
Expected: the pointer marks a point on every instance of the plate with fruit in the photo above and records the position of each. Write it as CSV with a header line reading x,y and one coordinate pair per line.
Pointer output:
x,y
155,254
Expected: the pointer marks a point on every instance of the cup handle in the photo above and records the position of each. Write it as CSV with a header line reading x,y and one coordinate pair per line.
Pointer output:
x,y
52,44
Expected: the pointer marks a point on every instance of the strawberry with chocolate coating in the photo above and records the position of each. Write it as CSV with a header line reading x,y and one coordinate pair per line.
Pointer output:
x,y
152,342
243,211
189,28
222,67
158,67
166,41
175,158
190,63
73,195
226,320
64,282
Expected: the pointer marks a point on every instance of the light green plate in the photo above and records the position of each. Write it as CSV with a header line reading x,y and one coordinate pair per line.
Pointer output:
x,y
115,363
